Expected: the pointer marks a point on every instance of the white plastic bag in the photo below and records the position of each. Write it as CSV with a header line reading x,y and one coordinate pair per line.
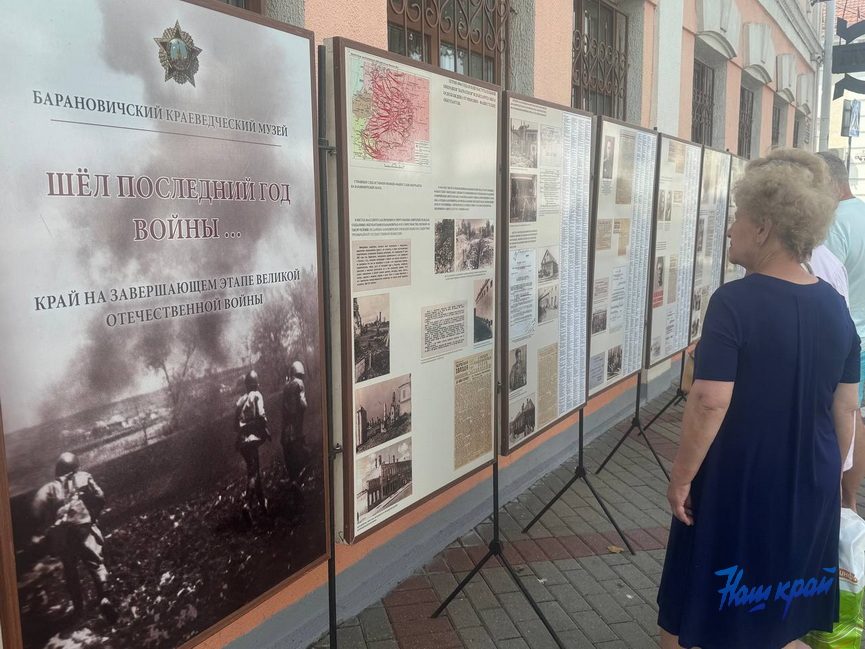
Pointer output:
x,y
847,633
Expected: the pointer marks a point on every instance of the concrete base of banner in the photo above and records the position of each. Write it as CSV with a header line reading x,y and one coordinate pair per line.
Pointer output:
x,y
378,572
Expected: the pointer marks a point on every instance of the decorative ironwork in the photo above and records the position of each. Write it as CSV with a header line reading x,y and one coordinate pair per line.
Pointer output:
x,y
703,106
465,36
599,58
776,125
746,121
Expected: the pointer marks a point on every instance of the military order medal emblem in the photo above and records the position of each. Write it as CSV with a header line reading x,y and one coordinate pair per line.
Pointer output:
x,y
178,55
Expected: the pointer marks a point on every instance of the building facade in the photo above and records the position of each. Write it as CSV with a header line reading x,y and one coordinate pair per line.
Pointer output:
x,y
740,75
737,75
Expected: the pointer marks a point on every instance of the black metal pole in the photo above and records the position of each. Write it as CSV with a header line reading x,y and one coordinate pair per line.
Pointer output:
x,y
334,449
581,474
635,425
675,400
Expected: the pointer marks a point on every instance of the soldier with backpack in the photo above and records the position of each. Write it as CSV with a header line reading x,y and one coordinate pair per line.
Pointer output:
x,y
293,409
251,427
67,510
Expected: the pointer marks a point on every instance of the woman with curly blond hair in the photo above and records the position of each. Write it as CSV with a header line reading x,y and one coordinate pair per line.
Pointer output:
x,y
754,490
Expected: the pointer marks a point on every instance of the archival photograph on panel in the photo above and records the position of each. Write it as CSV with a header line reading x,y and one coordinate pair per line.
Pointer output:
x,y
548,302
662,204
383,479
161,374
599,321
371,336
551,146
608,158
655,351
484,309
382,412
517,373
614,362
596,370
548,265
625,168
658,282
475,244
711,176
444,246
701,230
695,326
524,198
521,420
524,144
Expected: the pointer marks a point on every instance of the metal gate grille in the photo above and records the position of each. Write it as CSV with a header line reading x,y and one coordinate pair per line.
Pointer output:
x,y
702,116
746,122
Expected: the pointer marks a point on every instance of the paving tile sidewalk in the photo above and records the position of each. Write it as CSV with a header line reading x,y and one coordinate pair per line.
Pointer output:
x,y
592,595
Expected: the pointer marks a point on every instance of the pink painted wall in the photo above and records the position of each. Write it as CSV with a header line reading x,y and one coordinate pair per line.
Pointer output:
x,y
686,93
766,120
689,19
731,117
553,36
365,22
752,12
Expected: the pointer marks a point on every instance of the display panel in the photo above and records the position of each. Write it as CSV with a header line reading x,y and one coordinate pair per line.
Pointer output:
x,y
672,270
419,187
620,271
711,234
737,170
159,319
549,153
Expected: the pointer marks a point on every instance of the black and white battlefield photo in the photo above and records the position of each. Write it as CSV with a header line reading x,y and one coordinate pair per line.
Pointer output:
x,y
163,441
524,144
475,244
444,246
371,336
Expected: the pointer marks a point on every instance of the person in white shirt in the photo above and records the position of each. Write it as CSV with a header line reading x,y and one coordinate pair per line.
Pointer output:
x,y
828,267
846,240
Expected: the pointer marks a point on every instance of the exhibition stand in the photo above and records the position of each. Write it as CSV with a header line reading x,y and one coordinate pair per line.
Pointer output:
x,y
581,474
675,400
638,426
411,271
682,233
495,549
334,447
